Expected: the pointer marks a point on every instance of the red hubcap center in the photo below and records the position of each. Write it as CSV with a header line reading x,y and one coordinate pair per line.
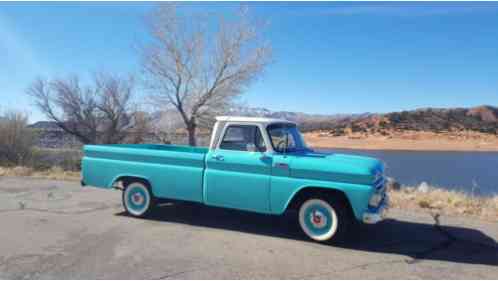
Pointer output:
x,y
137,198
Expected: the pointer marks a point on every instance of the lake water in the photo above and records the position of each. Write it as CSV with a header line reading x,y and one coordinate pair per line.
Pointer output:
x,y
461,171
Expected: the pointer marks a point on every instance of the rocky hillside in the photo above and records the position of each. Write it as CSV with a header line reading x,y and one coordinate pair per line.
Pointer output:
x,y
482,119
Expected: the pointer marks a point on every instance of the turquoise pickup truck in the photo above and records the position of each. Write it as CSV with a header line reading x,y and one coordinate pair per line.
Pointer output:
x,y
253,164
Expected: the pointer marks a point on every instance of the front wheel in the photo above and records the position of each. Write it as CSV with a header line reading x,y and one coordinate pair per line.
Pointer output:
x,y
323,220
138,201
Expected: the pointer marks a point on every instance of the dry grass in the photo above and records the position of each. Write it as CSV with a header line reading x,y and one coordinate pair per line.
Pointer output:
x,y
54,173
445,202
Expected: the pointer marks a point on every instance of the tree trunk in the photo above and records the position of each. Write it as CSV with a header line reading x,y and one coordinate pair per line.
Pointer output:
x,y
191,130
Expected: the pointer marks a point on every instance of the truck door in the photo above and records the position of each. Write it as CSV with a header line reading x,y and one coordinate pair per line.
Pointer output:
x,y
238,171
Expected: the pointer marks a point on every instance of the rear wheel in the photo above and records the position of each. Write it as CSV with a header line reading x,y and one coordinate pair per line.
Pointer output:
x,y
138,201
324,220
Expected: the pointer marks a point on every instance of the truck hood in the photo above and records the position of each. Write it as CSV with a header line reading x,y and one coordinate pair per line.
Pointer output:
x,y
336,167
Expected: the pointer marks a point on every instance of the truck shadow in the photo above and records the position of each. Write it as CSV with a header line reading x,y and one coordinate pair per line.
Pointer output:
x,y
416,241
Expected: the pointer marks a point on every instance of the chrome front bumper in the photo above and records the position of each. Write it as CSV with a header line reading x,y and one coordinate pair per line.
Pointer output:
x,y
378,214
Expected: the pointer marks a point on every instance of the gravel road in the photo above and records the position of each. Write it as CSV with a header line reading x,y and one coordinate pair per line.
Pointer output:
x,y
56,229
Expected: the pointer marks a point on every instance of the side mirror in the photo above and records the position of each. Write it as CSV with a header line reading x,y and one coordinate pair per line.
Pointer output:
x,y
251,147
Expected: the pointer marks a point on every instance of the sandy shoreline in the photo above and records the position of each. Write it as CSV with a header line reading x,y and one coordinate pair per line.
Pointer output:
x,y
412,142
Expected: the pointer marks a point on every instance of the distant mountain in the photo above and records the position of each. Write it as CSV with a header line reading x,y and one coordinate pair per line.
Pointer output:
x,y
482,119
45,125
306,121
288,115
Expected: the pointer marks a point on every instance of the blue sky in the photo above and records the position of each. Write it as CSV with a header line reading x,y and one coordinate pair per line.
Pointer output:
x,y
328,57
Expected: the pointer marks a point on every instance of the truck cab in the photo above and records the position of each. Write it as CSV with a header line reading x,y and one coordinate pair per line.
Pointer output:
x,y
248,153
254,164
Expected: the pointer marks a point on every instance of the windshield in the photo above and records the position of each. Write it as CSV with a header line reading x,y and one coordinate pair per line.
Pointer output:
x,y
286,138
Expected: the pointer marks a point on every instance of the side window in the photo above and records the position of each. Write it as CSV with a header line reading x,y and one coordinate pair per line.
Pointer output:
x,y
243,138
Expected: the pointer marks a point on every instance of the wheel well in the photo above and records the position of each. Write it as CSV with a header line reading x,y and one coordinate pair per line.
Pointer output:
x,y
125,180
317,192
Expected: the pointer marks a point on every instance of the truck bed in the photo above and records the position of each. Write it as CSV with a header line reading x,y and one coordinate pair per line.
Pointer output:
x,y
174,171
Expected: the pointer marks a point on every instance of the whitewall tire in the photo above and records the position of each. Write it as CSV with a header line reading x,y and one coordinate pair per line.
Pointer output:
x,y
318,219
137,199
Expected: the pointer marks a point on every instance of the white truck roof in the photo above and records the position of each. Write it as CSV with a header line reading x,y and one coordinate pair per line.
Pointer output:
x,y
251,119
222,120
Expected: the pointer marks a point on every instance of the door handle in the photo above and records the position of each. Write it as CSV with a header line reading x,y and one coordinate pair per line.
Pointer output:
x,y
218,157
282,165
264,157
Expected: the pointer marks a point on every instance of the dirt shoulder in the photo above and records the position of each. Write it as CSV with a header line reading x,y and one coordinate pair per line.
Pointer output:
x,y
419,141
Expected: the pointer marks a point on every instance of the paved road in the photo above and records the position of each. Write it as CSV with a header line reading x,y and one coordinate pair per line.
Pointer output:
x,y
55,229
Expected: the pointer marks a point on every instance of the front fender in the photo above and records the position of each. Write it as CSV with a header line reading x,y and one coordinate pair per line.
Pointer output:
x,y
284,189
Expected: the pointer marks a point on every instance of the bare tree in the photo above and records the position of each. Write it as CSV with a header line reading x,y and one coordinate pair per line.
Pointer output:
x,y
16,140
198,64
94,114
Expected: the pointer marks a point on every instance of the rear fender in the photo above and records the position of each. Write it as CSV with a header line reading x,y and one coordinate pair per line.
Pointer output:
x,y
121,177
